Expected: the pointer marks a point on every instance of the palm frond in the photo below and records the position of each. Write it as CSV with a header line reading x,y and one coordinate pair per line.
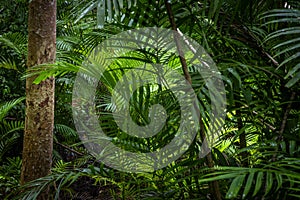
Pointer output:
x,y
15,41
285,40
66,132
7,106
247,182
106,10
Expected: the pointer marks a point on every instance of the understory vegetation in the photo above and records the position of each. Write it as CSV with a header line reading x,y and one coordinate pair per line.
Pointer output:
x,y
255,46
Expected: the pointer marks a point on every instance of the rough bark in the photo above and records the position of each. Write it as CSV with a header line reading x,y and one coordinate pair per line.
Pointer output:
x,y
39,121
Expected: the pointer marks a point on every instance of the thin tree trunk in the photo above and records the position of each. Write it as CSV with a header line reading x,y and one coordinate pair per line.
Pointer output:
x,y
39,121
213,186
242,136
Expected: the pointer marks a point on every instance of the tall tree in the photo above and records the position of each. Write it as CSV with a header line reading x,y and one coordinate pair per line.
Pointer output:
x,y
39,122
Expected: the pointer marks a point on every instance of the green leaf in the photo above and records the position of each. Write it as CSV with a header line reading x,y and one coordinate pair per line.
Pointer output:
x,y
7,106
269,183
100,13
296,55
88,7
248,96
293,81
116,7
236,75
292,41
248,184
258,183
109,10
292,71
295,195
296,46
235,187
279,181
283,32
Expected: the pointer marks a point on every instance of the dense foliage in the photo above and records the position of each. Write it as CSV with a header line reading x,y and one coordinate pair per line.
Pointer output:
x,y
255,45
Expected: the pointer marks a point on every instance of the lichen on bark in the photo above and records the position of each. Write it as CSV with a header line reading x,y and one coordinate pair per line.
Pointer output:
x,y
39,120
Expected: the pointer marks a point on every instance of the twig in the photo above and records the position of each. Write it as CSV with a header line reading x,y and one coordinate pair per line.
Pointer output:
x,y
262,121
262,50
265,123
68,148
284,120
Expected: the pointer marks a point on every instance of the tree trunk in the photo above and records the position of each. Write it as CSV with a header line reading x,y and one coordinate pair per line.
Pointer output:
x,y
214,185
39,121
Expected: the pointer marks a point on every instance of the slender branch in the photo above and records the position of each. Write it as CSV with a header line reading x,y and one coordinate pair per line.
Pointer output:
x,y
251,38
261,49
285,116
271,127
283,123
176,37
265,123
214,186
68,148
242,137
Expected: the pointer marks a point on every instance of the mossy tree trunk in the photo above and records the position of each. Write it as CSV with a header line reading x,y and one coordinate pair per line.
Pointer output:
x,y
39,121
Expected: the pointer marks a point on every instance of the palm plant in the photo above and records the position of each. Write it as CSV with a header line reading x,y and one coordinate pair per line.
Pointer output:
x,y
259,145
9,129
10,135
